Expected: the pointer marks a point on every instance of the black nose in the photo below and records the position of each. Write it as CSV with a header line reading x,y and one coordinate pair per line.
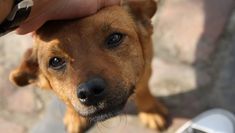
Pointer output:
x,y
92,91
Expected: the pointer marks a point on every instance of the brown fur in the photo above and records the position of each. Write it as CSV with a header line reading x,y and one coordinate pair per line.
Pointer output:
x,y
126,68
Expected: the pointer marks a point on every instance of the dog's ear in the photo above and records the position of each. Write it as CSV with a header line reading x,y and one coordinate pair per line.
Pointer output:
x,y
28,72
141,10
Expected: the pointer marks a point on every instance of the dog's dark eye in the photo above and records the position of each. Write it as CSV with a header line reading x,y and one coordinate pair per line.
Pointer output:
x,y
114,40
57,63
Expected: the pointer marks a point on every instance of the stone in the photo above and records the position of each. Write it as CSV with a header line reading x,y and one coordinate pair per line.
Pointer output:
x,y
10,127
185,30
223,89
22,101
12,48
52,121
6,88
170,78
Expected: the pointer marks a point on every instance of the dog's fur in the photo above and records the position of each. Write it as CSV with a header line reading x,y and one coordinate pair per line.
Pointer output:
x,y
81,43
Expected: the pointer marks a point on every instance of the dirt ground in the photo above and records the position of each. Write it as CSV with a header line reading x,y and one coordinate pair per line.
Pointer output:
x,y
193,71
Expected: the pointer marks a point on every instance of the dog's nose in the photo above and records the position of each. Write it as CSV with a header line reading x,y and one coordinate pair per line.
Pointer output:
x,y
92,91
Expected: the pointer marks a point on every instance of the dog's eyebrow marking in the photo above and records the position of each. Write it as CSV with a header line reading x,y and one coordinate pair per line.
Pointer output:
x,y
106,27
54,49
111,26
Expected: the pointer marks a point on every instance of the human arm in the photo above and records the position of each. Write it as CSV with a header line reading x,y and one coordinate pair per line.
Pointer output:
x,y
45,10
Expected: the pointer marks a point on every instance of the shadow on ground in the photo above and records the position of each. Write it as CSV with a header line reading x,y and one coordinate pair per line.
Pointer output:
x,y
213,65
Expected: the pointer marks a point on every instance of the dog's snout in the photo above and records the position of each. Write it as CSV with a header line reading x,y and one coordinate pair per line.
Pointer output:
x,y
92,91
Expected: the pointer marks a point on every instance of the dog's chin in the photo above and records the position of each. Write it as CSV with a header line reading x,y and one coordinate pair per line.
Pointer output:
x,y
104,116
101,114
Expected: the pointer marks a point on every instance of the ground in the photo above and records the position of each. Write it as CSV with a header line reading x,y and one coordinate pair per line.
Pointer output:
x,y
193,71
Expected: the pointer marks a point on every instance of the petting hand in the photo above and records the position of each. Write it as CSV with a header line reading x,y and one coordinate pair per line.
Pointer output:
x,y
44,10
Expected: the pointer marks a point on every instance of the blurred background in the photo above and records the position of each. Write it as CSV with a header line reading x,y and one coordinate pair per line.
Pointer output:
x,y
193,71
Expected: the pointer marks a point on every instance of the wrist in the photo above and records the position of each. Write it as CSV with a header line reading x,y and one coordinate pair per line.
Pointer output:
x,y
5,9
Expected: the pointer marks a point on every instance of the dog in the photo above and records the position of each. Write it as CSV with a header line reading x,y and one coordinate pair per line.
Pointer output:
x,y
94,64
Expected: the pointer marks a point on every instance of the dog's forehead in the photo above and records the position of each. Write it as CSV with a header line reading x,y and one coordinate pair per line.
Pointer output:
x,y
99,25
108,19
116,16
103,20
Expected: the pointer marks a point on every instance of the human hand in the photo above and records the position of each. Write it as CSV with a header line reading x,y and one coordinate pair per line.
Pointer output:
x,y
44,10
5,8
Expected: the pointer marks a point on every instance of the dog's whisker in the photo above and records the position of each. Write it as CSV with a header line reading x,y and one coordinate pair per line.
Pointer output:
x,y
98,128
125,119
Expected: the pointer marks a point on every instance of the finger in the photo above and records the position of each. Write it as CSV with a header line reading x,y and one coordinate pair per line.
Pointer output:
x,y
30,26
112,2
104,3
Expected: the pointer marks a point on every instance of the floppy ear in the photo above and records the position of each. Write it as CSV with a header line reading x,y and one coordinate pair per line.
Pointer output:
x,y
27,72
142,11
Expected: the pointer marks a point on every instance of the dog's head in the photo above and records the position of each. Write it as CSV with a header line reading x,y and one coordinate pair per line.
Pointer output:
x,y
93,63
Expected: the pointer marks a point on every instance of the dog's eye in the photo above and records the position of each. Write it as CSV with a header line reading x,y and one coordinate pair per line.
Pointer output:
x,y
57,63
114,40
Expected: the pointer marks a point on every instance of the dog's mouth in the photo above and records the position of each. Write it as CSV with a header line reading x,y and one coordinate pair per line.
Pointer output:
x,y
100,113
108,108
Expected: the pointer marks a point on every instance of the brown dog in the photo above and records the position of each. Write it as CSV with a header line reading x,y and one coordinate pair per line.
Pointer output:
x,y
94,64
